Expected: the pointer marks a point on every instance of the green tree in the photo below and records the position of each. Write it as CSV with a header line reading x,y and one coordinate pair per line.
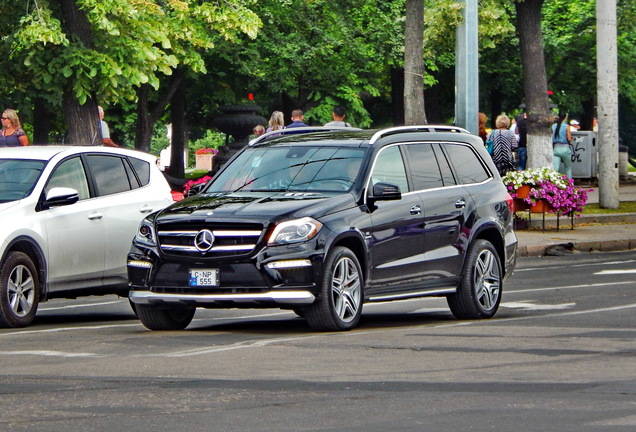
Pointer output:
x,y
83,51
313,55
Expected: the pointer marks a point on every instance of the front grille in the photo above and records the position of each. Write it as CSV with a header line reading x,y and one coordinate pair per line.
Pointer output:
x,y
229,239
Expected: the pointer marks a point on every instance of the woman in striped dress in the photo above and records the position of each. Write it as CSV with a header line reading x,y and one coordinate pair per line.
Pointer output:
x,y
504,141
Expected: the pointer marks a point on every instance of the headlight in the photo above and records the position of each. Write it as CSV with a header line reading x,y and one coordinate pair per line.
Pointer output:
x,y
294,231
146,234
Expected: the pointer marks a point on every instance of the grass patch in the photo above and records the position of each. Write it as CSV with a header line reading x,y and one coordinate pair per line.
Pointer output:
x,y
195,174
623,207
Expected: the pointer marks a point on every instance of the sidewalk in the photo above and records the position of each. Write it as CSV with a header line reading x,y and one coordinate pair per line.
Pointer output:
x,y
609,232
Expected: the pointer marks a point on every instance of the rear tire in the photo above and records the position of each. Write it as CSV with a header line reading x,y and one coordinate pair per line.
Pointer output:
x,y
339,305
175,317
479,293
19,290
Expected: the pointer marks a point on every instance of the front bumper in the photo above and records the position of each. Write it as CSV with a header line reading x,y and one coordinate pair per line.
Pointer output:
x,y
275,298
283,277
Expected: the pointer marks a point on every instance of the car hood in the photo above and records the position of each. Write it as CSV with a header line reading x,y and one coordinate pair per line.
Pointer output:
x,y
260,208
7,205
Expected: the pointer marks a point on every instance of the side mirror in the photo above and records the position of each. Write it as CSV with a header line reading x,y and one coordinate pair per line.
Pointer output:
x,y
61,196
386,192
195,189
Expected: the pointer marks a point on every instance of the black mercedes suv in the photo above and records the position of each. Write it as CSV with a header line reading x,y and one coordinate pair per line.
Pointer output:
x,y
323,220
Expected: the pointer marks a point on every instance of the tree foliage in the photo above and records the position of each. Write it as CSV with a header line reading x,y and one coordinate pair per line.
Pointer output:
x,y
134,42
131,42
309,54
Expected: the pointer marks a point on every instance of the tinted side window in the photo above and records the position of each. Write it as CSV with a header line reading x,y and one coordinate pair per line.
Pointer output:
x,y
424,168
468,167
444,166
142,169
109,173
389,168
70,174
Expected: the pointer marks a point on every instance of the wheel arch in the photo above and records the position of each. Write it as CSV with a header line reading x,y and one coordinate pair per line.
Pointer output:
x,y
355,244
33,250
494,236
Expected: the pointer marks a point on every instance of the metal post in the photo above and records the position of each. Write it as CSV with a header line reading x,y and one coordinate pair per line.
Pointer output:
x,y
607,82
467,70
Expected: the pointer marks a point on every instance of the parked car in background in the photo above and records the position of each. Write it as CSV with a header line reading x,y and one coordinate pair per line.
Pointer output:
x,y
321,221
67,217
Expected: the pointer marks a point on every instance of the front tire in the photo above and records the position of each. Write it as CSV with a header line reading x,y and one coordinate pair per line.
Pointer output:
x,y
19,290
479,293
175,317
339,305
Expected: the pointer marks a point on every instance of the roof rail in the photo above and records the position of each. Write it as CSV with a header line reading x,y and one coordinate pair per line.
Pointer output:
x,y
415,128
299,130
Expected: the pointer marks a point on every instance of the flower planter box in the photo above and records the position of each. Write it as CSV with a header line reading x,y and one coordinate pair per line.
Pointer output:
x,y
204,162
523,191
540,206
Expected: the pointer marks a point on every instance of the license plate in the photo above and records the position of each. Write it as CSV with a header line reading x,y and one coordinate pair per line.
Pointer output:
x,y
204,277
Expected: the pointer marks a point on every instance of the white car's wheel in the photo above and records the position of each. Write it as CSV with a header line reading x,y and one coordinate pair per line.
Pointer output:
x,y
19,290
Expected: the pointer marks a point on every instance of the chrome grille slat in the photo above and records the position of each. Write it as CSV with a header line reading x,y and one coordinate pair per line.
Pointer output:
x,y
229,241
247,247
217,233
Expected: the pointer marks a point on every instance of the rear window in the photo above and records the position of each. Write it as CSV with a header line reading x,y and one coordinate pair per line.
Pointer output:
x,y
142,169
466,164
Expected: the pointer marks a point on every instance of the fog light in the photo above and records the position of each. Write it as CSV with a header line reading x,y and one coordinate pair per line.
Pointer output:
x,y
288,264
140,264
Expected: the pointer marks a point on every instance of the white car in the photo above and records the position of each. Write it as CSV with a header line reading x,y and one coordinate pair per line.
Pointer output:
x,y
67,219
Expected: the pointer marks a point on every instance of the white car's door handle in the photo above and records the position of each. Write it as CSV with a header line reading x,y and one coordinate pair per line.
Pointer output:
x,y
95,215
145,209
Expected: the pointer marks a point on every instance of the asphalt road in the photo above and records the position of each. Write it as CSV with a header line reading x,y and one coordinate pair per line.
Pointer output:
x,y
559,355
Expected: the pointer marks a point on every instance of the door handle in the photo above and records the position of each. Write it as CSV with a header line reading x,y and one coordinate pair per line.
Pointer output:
x,y
145,209
416,209
95,215
460,203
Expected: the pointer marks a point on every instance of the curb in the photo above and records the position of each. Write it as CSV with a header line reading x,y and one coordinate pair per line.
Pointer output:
x,y
564,222
559,249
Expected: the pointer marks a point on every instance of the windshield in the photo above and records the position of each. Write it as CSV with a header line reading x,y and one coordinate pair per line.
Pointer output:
x,y
18,177
281,169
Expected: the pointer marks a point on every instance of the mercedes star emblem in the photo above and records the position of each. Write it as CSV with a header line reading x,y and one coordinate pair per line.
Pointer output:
x,y
204,240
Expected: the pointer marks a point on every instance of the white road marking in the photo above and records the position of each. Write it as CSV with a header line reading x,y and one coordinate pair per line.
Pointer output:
x,y
534,306
46,309
231,347
615,272
531,317
517,270
605,284
264,342
52,354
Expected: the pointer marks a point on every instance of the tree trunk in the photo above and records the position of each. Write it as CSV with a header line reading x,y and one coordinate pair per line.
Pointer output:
x,y
397,96
41,122
82,121
177,117
143,128
414,63
535,83
146,118
496,106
